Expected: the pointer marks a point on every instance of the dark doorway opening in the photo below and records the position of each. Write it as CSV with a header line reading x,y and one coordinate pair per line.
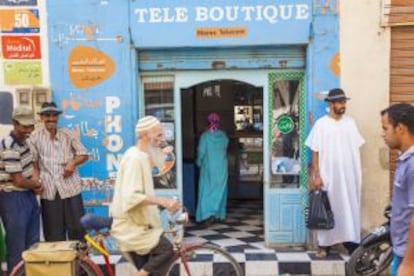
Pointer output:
x,y
240,106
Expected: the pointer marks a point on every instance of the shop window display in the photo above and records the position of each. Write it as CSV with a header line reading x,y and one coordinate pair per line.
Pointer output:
x,y
246,151
285,162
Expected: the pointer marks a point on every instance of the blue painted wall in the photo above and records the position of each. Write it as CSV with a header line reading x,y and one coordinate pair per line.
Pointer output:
x,y
322,56
103,113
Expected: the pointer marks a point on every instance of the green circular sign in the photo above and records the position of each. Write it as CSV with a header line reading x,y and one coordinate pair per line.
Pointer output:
x,y
285,124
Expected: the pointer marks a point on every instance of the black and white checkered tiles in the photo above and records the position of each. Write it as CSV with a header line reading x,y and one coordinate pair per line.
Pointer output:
x,y
242,235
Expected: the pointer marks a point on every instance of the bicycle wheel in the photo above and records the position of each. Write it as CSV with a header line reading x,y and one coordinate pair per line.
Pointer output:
x,y
204,260
370,260
84,267
18,270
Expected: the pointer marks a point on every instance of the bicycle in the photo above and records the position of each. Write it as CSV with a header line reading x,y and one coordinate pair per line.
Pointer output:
x,y
189,258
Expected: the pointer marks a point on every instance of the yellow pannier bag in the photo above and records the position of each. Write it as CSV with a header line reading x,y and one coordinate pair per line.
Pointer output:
x,y
50,258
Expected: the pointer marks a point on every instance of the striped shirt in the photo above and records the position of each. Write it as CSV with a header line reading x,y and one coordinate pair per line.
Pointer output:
x,y
53,154
15,157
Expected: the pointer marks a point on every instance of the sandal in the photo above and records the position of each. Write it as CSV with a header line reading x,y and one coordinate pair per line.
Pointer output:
x,y
322,252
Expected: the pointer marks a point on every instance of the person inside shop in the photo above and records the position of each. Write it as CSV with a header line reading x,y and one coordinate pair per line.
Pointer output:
x,y
212,185
398,133
19,209
57,154
335,142
135,210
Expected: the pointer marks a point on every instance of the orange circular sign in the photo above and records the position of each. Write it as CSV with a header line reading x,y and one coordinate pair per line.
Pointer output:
x,y
88,67
336,64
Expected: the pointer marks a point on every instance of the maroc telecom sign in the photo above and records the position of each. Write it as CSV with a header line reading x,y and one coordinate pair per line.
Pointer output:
x,y
224,22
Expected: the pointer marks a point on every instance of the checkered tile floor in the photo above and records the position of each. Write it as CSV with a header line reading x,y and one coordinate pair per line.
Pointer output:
x,y
242,235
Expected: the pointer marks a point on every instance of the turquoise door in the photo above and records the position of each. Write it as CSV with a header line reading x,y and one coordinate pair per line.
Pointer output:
x,y
285,185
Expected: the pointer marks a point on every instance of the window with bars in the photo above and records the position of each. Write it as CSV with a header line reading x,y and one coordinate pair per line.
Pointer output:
x,y
158,96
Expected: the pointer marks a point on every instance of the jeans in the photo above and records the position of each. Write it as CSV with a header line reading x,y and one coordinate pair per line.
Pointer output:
x,y
396,261
21,219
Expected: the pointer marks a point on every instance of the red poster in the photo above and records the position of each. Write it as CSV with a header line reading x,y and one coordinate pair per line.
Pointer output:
x,y
21,47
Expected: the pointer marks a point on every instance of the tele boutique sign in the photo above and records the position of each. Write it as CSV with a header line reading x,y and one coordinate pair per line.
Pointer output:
x,y
267,13
231,22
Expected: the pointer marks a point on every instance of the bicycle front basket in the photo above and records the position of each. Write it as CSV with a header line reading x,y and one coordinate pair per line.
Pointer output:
x,y
50,258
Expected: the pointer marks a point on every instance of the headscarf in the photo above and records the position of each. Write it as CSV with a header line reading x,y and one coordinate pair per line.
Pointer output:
x,y
213,122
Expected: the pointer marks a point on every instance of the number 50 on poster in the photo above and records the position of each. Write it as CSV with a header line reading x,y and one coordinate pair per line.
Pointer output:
x,y
19,21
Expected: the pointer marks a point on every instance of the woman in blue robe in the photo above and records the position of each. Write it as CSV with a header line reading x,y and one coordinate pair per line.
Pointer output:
x,y
212,160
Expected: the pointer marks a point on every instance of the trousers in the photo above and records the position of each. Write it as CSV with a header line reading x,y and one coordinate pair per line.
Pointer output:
x,y
61,218
20,214
157,260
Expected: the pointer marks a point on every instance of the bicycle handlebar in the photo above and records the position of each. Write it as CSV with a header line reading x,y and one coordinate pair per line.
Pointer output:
x,y
180,217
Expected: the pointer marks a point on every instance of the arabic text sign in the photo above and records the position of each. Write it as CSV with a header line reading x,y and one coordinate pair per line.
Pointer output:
x,y
18,2
21,47
22,72
19,21
88,67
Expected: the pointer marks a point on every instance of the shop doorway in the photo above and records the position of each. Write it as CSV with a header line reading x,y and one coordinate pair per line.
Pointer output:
x,y
240,107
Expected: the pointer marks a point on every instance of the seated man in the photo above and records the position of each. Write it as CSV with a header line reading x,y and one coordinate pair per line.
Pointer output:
x,y
137,225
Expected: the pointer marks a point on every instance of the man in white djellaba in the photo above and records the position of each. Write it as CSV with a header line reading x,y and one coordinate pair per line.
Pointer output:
x,y
336,167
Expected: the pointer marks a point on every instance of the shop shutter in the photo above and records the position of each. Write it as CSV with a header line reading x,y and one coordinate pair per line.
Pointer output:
x,y
221,58
401,13
401,19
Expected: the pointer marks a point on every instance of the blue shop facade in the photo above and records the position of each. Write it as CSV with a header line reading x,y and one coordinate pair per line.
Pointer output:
x,y
262,67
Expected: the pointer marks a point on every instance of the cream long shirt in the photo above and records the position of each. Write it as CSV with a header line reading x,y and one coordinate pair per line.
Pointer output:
x,y
136,227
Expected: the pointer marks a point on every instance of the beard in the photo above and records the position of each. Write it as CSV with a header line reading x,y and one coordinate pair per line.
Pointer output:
x,y
339,111
157,156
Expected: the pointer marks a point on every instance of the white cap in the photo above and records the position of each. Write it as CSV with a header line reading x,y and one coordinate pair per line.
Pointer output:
x,y
146,123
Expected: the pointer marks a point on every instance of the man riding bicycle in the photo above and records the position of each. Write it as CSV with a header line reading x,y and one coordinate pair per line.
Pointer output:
x,y
137,225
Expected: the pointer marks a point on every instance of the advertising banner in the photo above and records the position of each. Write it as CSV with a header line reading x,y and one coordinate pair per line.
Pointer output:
x,y
20,47
226,22
88,67
19,21
22,72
